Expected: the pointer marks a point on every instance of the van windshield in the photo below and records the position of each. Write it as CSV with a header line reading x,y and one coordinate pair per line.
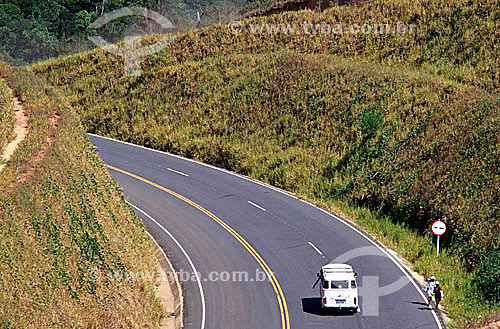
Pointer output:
x,y
343,284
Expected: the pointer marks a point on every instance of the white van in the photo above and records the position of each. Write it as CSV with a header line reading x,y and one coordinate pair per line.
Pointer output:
x,y
338,287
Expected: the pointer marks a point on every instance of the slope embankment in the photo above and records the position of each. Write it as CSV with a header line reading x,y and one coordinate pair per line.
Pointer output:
x,y
66,234
456,39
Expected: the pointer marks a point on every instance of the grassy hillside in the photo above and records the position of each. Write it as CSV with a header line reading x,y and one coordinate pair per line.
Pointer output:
x,y
414,139
64,226
6,116
457,39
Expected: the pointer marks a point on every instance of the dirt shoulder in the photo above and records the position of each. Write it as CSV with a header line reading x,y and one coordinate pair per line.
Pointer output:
x,y
168,289
492,325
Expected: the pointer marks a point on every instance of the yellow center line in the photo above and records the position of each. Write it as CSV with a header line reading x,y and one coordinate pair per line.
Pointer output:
x,y
285,317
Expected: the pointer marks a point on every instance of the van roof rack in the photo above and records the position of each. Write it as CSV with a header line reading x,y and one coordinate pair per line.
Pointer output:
x,y
337,268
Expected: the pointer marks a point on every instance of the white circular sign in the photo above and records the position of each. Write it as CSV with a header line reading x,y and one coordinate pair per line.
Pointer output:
x,y
438,227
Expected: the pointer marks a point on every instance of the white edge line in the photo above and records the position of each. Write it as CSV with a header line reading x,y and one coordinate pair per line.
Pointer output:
x,y
178,172
307,202
256,205
200,163
343,221
202,295
315,248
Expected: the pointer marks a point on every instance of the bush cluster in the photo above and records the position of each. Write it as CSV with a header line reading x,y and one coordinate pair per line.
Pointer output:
x,y
488,275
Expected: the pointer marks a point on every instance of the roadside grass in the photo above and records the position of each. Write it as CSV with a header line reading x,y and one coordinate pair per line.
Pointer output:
x,y
6,116
344,132
65,228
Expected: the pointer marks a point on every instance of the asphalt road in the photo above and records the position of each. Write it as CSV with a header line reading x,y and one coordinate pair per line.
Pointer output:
x,y
228,225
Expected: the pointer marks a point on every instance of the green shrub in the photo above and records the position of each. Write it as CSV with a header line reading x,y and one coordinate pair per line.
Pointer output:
x,y
369,122
488,275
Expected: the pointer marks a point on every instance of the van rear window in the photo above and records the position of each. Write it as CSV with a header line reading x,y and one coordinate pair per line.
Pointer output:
x,y
343,284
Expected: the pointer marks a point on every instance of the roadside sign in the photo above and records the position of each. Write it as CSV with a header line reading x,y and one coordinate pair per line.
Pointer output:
x,y
438,227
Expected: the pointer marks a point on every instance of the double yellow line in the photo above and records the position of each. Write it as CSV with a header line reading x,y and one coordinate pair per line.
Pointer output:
x,y
285,317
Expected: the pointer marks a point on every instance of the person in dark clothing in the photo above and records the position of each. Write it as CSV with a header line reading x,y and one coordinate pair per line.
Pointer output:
x,y
438,295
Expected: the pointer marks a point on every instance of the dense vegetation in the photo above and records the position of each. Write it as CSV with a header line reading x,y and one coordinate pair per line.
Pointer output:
x,y
489,275
31,31
62,217
6,116
317,115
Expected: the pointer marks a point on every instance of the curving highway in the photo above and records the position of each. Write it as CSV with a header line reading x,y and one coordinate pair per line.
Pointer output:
x,y
248,253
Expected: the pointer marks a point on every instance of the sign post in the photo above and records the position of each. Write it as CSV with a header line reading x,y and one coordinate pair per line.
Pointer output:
x,y
438,228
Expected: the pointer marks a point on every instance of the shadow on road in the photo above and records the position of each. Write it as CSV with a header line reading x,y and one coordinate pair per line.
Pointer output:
x,y
425,308
312,305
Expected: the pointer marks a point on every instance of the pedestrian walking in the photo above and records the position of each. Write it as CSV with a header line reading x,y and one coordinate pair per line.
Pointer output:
x,y
429,288
438,295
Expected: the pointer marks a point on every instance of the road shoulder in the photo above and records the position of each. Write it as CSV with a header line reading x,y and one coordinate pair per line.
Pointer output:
x,y
168,289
